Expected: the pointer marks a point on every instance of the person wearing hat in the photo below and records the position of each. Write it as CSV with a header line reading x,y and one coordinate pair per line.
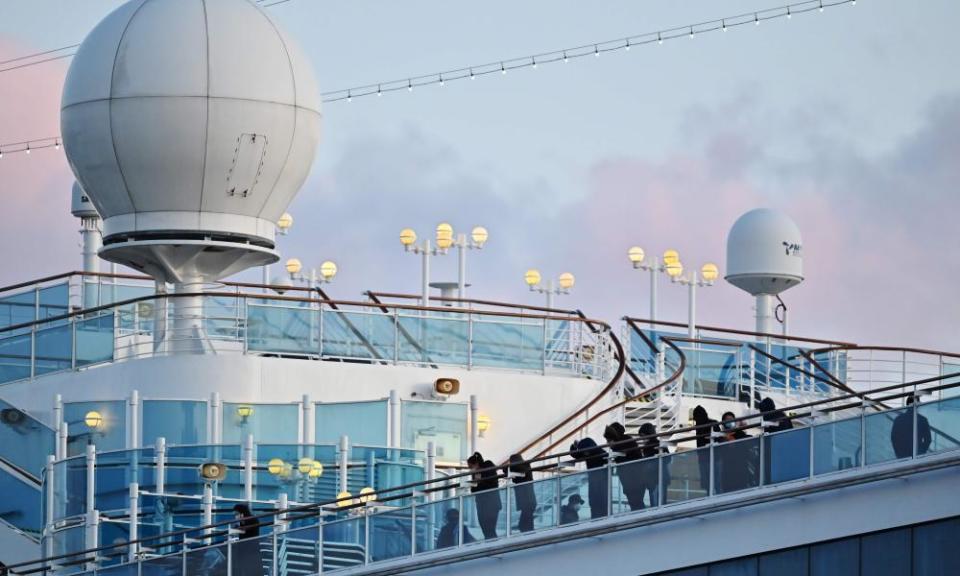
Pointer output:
x,y
625,450
570,512
588,452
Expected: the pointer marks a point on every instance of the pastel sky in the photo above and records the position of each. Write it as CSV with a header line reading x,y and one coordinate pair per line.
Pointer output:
x,y
849,121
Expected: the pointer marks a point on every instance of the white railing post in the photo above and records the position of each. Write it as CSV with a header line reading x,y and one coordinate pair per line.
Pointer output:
x,y
207,504
282,505
50,495
431,471
248,468
91,535
58,425
133,406
62,440
91,476
753,377
394,419
309,421
474,423
344,463
160,451
134,506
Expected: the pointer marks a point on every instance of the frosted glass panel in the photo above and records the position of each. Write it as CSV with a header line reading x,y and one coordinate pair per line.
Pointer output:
x,y
269,423
442,423
363,422
110,434
179,422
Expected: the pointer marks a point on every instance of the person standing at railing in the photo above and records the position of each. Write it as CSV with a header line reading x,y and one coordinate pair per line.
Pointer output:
x,y
587,451
570,512
706,426
626,450
487,497
523,491
770,413
737,465
247,560
901,433
651,449
450,531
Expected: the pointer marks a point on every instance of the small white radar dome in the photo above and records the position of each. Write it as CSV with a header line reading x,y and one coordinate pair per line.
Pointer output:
x,y
764,253
191,125
80,204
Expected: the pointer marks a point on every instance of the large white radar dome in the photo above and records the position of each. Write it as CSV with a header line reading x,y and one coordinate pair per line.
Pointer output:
x,y
764,253
191,124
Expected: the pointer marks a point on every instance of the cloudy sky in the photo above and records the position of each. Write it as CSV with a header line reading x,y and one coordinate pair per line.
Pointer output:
x,y
849,121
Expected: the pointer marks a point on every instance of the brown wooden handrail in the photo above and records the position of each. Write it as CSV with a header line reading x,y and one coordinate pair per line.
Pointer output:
x,y
495,303
743,332
853,347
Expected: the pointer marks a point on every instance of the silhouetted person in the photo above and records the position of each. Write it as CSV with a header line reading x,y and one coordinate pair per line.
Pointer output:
x,y
487,497
736,464
450,531
651,448
570,512
523,491
901,434
246,560
778,417
586,451
628,450
705,428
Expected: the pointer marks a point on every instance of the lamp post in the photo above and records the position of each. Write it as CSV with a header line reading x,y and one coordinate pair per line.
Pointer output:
x,y
561,285
708,275
478,237
283,227
444,240
316,277
637,257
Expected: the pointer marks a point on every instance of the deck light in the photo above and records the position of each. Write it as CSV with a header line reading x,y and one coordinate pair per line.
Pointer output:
x,y
343,499
709,272
532,277
244,411
294,266
674,269
407,237
483,424
636,254
93,420
275,466
367,494
328,270
480,236
670,256
284,223
316,470
566,281
305,465
444,236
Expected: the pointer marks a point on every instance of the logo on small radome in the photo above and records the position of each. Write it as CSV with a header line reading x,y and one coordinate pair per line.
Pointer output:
x,y
792,248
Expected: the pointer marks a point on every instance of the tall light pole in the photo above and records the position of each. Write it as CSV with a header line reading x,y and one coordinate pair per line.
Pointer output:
x,y
316,277
562,285
654,267
444,239
478,237
708,275
283,227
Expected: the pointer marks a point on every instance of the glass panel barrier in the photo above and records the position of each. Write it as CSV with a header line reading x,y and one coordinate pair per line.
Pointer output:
x,y
438,525
100,423
484,515
120,570
682,476
362,422
209,561
283,329
19,503
298,552
358,335
15,357
507,342
24,440
95,339
18,308
888,436
736,465
938,426
66,541
590,488
169,566
178,421
534,505
344,543
54,349
786,456
269,423
437,340
836,445
70,487
635,485
443,423
391,534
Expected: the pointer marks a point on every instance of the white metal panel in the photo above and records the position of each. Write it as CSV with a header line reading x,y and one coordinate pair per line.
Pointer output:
x,y
247,56
160,145
308,92
86,135
299,162
91,72
163,52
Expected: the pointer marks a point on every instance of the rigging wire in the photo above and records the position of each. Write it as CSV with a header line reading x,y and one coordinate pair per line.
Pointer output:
x,y
531,61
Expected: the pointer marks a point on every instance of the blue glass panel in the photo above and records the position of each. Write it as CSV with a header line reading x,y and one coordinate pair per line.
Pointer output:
x,y
635,485
438,525
20,504
739,567
698,571
358,335
935,550
592,489
942,419
54,301
344,543
711,371
269,423
433,340
483,514
67,541
443,423
15,357
736,465
534,505
886,553
95,338
362,422
178,421
116,470
682,474
881,444
24,441
838,558
283,330
390,534
169,566
299,553
70,487
111,434
784,563
18,308
222,318
54,349
836,446
508,343
787,456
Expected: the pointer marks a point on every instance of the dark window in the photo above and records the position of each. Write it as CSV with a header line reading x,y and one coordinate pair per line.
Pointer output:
x,y
784,563
936,549
886,553
740,567
700,571
840,558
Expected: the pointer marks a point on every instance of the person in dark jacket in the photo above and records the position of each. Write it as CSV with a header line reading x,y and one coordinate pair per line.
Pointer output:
x,y
627,450
523,491
587,451
450,531
570,512
705,429
247,560
487,497
771,414
650,449
901,434
737,464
